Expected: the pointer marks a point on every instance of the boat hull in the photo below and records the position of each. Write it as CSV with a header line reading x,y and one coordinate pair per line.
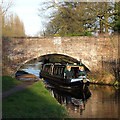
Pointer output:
x,y
63,83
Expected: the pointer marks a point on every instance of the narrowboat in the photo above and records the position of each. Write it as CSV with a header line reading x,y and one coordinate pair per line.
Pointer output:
x,y
67,75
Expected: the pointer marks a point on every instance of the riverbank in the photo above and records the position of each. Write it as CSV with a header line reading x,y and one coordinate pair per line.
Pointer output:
x,y
32,102
103,78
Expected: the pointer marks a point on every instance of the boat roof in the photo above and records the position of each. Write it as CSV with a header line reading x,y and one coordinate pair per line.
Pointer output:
x,y
59,64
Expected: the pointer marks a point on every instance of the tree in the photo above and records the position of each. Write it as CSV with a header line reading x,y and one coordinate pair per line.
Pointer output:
x,y
4,6
12,26
81,18
104,13
18,27
116,27
68,18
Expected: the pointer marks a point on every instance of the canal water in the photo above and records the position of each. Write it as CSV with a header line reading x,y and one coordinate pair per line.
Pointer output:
x,y
95,102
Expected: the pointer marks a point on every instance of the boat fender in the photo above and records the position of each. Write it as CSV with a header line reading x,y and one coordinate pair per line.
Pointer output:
x,y
64,75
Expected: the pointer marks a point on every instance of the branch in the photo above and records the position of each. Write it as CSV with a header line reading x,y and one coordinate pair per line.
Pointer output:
x,y
105,22
5,7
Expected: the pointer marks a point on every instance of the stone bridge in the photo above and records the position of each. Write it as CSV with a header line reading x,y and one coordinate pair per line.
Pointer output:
x,y
92,50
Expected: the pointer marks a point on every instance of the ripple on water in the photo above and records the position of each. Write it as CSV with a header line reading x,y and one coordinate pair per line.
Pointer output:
x,y
102,103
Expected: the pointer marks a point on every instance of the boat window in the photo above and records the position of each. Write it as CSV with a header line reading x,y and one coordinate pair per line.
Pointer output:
x,y
61,70
58,71
81,73
47,69
43,68
75,71
51,69
55,71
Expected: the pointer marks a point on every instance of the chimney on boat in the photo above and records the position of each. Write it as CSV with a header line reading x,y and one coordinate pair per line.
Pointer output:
x,y
80,61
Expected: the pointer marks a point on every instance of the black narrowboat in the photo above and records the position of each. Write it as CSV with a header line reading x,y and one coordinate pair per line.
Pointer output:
x,y
65,75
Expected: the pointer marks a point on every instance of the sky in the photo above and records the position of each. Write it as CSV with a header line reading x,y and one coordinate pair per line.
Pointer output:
x,y
27,11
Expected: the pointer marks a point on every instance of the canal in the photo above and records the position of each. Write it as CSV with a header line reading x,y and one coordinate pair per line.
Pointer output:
x,y
95,102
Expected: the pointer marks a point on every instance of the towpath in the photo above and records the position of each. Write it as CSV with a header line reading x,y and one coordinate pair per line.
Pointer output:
x,y
16,89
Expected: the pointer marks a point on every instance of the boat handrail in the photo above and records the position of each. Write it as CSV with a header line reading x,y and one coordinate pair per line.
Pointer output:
x,y
57,64
49,64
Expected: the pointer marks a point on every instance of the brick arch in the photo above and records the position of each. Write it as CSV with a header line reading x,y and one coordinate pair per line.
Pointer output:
x,y
53,53
74,57
89,49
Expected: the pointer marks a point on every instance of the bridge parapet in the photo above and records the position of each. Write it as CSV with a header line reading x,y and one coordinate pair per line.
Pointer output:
x,y
91,50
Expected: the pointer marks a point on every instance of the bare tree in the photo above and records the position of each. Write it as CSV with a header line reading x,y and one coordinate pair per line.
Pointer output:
x,y
5,5
12,26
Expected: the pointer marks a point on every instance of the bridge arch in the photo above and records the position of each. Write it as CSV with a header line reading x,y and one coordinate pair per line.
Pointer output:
x,y
66,56
38,58
77,59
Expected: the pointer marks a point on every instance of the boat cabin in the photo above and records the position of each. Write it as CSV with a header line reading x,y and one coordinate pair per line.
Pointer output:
x,y
68,73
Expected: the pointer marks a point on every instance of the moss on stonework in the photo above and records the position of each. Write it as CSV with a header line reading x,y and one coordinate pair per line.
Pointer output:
x,y
103,78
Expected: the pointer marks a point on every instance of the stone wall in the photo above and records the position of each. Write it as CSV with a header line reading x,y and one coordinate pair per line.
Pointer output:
x,y
92,50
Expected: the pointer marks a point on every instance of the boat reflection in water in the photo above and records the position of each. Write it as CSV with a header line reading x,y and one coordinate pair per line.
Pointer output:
x,y
73,100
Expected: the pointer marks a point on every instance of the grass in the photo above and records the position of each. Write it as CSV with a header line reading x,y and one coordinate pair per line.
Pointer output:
x,y
33,102
9,83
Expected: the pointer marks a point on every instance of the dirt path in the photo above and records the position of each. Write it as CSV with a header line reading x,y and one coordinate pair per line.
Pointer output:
x,y
16,89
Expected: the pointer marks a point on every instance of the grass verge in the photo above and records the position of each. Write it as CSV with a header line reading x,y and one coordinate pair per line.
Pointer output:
x,y
9,83
33,102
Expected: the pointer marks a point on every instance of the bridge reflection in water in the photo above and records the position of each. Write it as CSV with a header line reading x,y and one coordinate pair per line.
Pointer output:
x,y
73,101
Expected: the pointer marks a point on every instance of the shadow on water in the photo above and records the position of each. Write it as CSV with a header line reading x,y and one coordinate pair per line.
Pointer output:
x,y
74,100
95,102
